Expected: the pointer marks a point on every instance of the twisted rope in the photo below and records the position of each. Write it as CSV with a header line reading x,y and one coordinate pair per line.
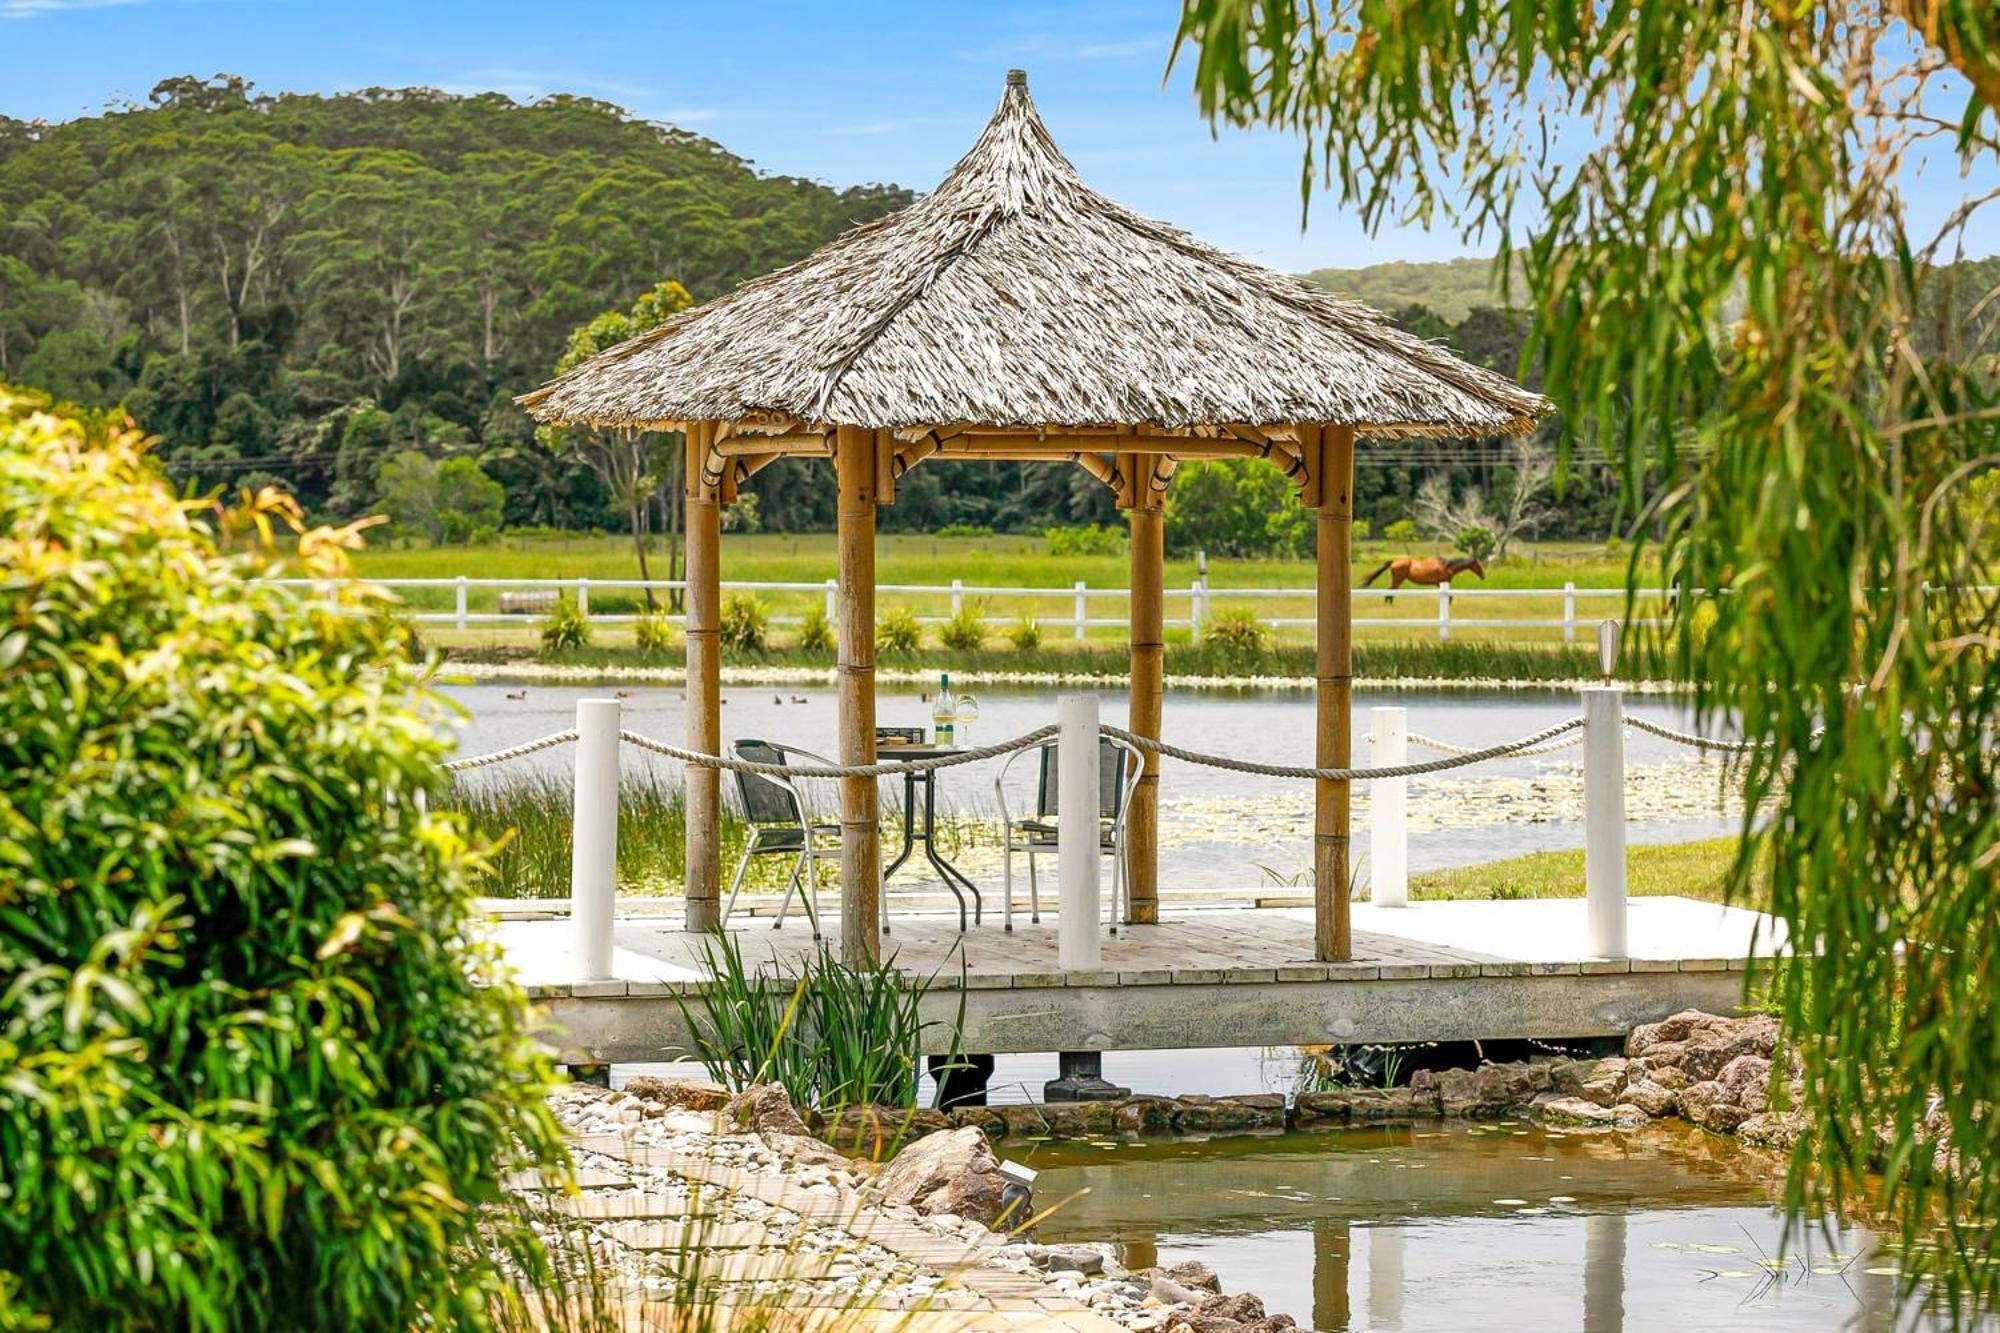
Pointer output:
x,y
512,752
883,768
1446,747
1689,738
1152,746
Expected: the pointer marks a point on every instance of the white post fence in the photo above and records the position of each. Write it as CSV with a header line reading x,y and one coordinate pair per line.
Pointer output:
x,y
593,866
1444,611
1388,811
1078,856
1082,610
1569,613
1604,820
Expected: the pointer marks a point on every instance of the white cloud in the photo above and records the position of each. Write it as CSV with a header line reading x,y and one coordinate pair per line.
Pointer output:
x,y
30,9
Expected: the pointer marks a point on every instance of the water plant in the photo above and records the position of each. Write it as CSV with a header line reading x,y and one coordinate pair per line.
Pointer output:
x,y
833,1034
255,1058
565,628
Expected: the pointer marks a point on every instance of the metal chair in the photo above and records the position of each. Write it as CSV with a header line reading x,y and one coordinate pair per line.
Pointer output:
x,y
782,823
1119,767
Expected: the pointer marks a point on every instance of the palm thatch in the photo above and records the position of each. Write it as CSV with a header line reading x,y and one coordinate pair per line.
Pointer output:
x,y
1015,296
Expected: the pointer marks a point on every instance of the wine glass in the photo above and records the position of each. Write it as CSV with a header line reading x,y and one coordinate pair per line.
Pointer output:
x,y
968,714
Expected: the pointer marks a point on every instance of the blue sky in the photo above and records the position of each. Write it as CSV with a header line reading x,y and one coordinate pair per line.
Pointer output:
x,y
885,91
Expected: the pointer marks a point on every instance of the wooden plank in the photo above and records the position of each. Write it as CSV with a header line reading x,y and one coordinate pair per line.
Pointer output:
x,y
704,685
860,816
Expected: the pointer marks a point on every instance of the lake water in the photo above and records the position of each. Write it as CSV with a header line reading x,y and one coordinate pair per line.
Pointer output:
x,y
1218,829
1457,1227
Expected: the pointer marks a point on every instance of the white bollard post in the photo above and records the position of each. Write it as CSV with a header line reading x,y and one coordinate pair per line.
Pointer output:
x,y
1444,611
461,601
593,866
1604,820
1078,857
1388,811
1082,612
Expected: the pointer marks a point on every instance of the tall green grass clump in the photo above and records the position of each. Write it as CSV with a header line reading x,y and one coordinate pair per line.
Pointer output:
x,y
815,631
565,628
833,1034
254,1069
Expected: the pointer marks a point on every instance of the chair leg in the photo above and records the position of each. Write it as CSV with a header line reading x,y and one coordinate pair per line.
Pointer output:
x,y
1117,883
791,887
1006,881
736,880
1034,891
811,899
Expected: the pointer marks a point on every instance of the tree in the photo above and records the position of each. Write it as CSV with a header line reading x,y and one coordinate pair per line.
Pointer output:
x,y
406,489
1726,298
1234,507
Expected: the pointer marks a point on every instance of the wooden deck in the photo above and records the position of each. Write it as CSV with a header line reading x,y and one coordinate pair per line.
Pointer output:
x,y
1429,972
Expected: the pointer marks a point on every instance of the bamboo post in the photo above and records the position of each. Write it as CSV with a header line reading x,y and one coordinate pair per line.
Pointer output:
x,y
704,687
1332,448
1148,560
860,827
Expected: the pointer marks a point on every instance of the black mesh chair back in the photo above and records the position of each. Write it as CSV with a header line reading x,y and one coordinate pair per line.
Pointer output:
x,y
1110,780
764,800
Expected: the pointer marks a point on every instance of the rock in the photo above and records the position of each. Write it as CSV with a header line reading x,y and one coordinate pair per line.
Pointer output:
x,y
1261,1111
765,1108
1192,1273
1661,1055
1725,1039
950,1171
1772,1129
1671,1077
1605,1082
1243,1307
1065,1259
675,1094
1708,1104
1748,1078
1272,1323
1196,1322
1651,1098
804,1150
1572,1111
1627,1116
1137,1115
1490,1090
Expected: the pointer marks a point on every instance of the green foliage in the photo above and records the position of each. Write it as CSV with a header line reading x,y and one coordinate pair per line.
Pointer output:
x,y
1403,532
443,502
1235,507
1025,634
965,530
1236,630
653,634
258,1066
1727,301
967,631
1475,541
1089,539
833,1034
1454,288
565,628
898,630
815,630
746,623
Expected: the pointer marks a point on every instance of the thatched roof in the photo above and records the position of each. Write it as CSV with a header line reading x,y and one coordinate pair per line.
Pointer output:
x,y
1013,295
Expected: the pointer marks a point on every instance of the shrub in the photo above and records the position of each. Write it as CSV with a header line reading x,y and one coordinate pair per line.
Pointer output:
x,y
965,632
816,631
1403,532
1363,529
1090,539
965,530
258,1069
898,630
746,625
1476,541
1237,630
565,627
653,634
1025,634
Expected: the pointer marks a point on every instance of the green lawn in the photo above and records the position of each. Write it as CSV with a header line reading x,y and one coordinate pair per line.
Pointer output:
x,y
1007,562
1688,869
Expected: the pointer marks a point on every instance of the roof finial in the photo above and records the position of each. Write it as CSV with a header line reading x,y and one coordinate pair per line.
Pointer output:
x,y
1017,78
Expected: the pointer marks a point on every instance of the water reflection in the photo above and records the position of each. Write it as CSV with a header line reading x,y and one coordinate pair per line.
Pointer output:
x,y
1498,1228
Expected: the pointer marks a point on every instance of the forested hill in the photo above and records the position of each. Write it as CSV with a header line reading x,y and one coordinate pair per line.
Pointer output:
x,y
294,285
1451,289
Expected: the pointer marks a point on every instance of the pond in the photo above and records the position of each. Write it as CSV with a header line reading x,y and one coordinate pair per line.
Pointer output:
x,y
1217,829
1453,1226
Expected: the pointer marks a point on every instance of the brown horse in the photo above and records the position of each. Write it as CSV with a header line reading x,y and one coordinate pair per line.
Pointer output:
x,y
1429,571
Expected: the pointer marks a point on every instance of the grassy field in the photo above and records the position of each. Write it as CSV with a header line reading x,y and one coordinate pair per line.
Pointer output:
x,y
1012,562
1688,869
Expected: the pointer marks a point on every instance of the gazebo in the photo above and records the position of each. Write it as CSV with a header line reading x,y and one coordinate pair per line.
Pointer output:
x,y
1014,313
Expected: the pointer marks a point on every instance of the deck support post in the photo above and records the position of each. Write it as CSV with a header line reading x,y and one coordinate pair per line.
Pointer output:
x,y
593,864
860,815
1388,812
703,786
1080,1078
1604,820
1148,624
1331,449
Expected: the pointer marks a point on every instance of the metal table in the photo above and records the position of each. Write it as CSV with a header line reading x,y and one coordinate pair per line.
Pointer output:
x,y
954,878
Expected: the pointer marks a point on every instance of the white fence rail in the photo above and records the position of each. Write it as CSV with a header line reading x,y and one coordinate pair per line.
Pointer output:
x,y
1197,598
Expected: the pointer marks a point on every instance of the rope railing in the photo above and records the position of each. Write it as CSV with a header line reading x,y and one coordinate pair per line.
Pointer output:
x,y
522,750
1505,748
882,768
1690,739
